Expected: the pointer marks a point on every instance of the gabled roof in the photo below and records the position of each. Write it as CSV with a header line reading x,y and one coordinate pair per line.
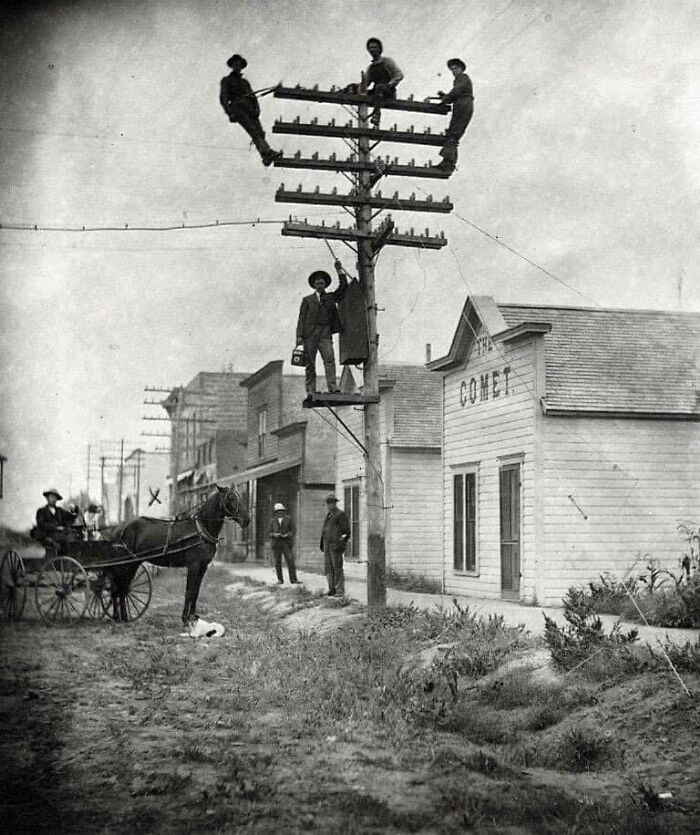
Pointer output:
x,y
608,361
417,404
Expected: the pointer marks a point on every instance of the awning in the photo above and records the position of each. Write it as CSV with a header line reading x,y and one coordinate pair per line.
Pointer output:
x,y
183,476
255,473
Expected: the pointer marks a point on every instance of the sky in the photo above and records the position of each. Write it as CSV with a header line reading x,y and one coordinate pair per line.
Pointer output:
x,y
578,184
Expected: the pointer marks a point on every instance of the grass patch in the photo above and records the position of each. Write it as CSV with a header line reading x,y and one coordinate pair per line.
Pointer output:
x,y
413,582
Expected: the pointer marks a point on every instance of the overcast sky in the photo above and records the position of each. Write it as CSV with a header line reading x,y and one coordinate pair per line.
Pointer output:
x,y
583,155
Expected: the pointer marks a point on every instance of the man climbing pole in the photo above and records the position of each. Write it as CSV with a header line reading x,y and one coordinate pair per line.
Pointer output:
x,y
241,105
461,97
382,78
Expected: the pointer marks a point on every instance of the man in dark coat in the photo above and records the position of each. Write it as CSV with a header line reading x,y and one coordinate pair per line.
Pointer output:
x,y
241,105
334,540
461,97
54,525
382,77
281,536
318,321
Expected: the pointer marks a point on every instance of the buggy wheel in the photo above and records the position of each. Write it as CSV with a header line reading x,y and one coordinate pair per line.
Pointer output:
x,y
62,591
94,608
13,592
137,597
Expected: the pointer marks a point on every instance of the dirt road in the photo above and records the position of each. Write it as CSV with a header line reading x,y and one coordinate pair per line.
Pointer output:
x,y
308,716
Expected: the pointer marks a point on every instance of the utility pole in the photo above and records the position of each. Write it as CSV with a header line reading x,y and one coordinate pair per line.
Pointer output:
x,y
102,481
364,172
88,472
121,480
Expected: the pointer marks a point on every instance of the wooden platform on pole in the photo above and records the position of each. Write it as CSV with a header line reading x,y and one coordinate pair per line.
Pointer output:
x,y
319,398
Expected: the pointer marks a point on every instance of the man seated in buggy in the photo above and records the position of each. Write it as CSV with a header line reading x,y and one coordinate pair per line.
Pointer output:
x,y
55,527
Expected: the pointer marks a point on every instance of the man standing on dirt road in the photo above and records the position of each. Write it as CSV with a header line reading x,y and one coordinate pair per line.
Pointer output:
x,y
281,536
334,539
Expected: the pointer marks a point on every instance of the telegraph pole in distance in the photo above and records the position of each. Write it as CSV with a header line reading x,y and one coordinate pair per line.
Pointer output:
x,y
364,172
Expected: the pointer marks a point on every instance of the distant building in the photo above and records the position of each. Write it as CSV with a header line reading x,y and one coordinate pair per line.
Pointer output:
x,y
570,445
208,425
410,399
145,485
290,459
3,458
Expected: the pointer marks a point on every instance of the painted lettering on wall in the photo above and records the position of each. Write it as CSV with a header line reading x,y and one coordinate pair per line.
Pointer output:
x,y
489,385
483,345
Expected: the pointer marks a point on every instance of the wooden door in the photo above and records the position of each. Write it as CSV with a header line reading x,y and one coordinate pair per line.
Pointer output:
x,y
510,530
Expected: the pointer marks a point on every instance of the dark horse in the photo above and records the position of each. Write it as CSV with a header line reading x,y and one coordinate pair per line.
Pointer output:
x,y
188,541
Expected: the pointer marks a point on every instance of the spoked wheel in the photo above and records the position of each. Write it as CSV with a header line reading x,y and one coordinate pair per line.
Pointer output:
x,y
136,600
13,592
96,581
62,591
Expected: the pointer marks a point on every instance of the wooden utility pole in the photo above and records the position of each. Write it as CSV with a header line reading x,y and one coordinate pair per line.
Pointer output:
x,y
364,171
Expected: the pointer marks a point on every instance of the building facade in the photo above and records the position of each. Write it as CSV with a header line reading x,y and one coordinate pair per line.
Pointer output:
x,y
207,435
290,459
570,442
410,400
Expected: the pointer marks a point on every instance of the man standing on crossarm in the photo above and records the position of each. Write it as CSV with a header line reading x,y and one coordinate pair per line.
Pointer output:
x,y
461,97
334,540
318,321
241,105
281,536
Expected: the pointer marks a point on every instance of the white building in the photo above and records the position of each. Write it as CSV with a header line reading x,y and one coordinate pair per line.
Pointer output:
x,y
410,404
571,443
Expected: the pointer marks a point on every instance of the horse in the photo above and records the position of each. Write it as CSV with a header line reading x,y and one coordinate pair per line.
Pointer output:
x,y
188,541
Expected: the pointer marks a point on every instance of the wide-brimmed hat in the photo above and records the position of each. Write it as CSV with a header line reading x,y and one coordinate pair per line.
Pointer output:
x,y
237,62
331,497
52,492
456,62
279,506
320,274
374,40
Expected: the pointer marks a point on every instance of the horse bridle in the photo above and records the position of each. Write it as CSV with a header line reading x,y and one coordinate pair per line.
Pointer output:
x,y
228,510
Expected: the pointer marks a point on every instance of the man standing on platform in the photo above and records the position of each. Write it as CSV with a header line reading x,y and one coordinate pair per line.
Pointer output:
x,y
281,536
318,321
334,540
461,97
241,105
382,77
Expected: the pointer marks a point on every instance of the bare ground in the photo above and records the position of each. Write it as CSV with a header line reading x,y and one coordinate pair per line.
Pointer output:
x,y
112,728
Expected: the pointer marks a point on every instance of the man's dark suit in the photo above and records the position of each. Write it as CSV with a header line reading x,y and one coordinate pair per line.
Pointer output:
x,y
47,525
281,536
334,540
318,321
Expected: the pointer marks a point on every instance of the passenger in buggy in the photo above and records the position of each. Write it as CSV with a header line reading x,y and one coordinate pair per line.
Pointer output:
x,y
92,522
55,527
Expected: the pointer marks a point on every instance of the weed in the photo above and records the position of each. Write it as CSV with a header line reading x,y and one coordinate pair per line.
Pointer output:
x,y
684,657
583,636
413,582
583,749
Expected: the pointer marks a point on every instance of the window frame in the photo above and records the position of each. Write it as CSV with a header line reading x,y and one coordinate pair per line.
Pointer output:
x,y
351,489
465,488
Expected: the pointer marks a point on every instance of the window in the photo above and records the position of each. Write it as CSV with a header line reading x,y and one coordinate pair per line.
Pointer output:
x,y
262,431
352,509
464,521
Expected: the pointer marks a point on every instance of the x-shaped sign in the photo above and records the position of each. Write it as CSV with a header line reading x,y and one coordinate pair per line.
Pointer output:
x,y
154,496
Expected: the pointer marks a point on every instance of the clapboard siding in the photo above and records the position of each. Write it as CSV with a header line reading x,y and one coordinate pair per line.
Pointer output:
x,y
483,433
411,470
415,546
633,479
